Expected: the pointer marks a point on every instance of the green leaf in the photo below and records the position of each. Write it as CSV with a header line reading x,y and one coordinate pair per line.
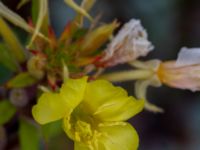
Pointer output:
x,y
43,12
29,135
22,80
17,20
7,111
52,130
7,59
78,8
12,41
35,14
35,10
14,18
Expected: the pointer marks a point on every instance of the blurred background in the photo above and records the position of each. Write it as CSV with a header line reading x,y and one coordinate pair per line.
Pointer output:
x,y
171,24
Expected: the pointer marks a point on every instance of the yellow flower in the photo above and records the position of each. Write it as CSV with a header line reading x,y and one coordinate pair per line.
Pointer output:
x,y
93,114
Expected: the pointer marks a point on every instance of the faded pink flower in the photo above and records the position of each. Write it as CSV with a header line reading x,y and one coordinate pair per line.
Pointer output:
x,y
182,77
184,73
129,44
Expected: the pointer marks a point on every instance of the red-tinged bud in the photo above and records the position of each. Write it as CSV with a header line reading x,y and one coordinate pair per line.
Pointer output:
x,y
52,82
52,37
30,22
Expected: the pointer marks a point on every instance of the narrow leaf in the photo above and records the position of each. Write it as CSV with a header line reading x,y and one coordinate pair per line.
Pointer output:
x,y
98,37
22,3
77,8
6,58
43,11
29,135
7,111
85,5
17,20
21,80
12,41
35,10
14,18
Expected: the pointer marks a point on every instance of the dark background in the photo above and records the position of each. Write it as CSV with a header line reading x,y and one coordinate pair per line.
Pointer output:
x,y
171,24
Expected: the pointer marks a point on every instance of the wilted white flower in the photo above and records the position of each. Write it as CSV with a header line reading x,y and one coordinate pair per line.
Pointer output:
x,y
183,73
188,56
130,43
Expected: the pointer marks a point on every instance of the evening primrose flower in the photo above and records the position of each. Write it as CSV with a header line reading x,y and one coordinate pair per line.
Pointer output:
x,y
93,113
183,73
130,43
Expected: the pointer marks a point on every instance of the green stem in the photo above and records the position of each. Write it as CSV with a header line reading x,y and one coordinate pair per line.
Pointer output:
x,y
127,75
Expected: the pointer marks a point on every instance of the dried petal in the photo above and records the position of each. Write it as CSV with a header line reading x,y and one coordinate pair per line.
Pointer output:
x,y
129,44
184,77
188,56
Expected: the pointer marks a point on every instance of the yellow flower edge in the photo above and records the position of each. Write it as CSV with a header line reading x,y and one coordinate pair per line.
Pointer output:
x,y
54,106
93,113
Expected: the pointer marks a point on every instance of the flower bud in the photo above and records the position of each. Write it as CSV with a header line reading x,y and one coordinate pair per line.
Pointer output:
x,y
36,66
18,97
96,38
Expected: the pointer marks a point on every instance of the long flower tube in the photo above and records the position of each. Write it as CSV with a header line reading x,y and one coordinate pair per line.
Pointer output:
x,y
145,75
122,76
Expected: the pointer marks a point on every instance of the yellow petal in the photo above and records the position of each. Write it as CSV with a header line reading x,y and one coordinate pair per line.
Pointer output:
x,y
109,103
50,107
119,109
72,91
54,106
119,137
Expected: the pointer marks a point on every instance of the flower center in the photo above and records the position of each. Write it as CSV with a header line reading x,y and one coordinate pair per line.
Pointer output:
x,y
83,131
81,127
